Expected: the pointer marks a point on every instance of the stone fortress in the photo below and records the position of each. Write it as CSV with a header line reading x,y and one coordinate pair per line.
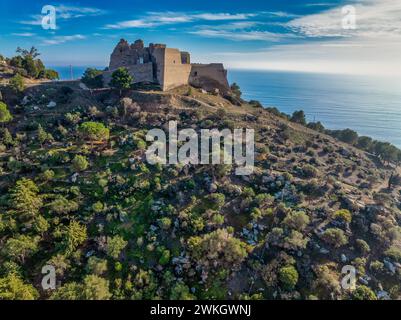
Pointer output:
x,y
167,67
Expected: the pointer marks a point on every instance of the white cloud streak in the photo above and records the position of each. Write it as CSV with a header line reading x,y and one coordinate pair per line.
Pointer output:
x,y
62,39
375,19
66,13
154,19
23,34
320,44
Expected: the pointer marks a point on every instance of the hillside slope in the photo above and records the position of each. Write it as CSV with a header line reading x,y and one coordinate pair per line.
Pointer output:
x,y
116,227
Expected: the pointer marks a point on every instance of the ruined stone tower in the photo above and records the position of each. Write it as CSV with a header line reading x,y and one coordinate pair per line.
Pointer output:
x,y
167,67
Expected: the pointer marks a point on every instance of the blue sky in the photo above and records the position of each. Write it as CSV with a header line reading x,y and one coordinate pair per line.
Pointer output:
x,y
293,35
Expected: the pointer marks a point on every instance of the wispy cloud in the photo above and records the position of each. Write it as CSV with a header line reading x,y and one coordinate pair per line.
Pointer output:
x,y
154,19
62,39
322,45
238,31
23,34
72,12
223,16
239,35
375,19
35,20
319,4
66,13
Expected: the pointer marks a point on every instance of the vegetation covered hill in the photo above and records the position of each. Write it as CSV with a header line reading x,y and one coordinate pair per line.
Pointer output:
x,y
77,193
25,67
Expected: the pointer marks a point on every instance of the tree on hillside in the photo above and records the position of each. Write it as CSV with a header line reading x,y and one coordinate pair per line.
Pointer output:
x,y
51,74
115,245
17,83
94,131
25,199
7,138
18,248
395,180
74,235
16,61
43,136
235,89
92,288
79,163
218,249
365,143
5,115
121,79
12,287
288,277
93,78
349,136
299,117
335,237
31,67
317,126
363,293
33,52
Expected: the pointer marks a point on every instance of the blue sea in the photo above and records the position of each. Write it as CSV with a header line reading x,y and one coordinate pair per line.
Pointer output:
x,y
369,105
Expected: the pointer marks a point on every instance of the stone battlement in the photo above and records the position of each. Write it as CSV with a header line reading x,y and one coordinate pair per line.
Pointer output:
x,y
165,66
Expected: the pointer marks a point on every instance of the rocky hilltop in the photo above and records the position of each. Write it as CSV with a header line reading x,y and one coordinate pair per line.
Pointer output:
x,y
78,194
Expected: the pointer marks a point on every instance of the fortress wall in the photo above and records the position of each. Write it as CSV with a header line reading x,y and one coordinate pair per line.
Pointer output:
x,y
125,55
121,55
167,66
158,54
209,76
140,72
175,73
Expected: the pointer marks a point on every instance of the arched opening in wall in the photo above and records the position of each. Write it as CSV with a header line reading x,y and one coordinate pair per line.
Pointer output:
x,y
196,73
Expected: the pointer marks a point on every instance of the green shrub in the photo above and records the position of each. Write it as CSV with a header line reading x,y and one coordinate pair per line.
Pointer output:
x,y
394,253
165,223
165,257
215,201
17,83
5,115
335,237
297,220
94,131
79,163
93,78
363,293
115,245
344,215
288,277
362,246
308,171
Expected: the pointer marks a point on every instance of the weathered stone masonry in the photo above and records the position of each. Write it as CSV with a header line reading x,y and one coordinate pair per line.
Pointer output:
x,y
167,67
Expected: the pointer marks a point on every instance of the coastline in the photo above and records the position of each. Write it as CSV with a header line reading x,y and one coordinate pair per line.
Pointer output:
x,y
353,102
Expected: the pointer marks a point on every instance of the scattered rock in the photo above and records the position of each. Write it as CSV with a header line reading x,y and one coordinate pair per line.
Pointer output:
x,y
83,86
212,188
25,100
383,295
324,251
51,104
74,177
390,266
